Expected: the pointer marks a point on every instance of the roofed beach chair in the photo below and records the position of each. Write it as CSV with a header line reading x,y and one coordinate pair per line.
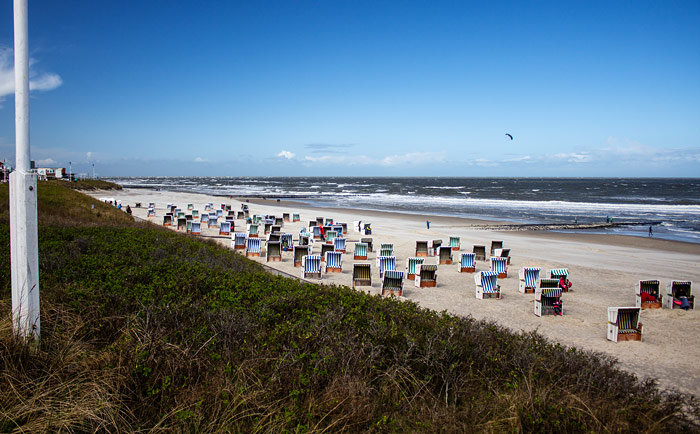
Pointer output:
x,y
366,229
500,266
412,265
195,214
295,217
467,264
387,246
623,324
204,218
151,212
219,213
529,279
225,228
189,226
503,253
454,243
273,251
326,248
196,228
487,285
252,230
316,231
445,255
334,262
299,253
392,283
180,214
648,294
344,226
360,252
435,247
330,236
367,241
267,227
361,274
285,216
287,242
312,223
386,263
426,277
168,220
305,239
213,221
319,221
208,206
279,221
479,252
240,215
421,248
496,245
311,266
181,223
238,240
339,244
190,206
545,300
678,293
274,236
328,222
252,247
559,273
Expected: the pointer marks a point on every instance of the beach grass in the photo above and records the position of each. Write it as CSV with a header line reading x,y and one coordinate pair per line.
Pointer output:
x,y
146,329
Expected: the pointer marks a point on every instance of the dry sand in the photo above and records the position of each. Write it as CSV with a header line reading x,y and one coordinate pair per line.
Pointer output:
x,y
605,271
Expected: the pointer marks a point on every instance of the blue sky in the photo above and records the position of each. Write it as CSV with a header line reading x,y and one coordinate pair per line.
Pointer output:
x,y
408,88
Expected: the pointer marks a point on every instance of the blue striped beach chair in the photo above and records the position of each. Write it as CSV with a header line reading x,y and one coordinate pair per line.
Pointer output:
x,y
467,263
196,228
676,290
225,228
339,244
219,213
311,266
252,230
386,263
445,255
204,218
487,285
295,217
334,262
299,253
167,220
238,240
273,252
287,242
316,231
454,243
360,253
426,276
652,288
421,248
529,278
623,324
412,265
545,299
213,221
500,266
392,283
252,247
361,274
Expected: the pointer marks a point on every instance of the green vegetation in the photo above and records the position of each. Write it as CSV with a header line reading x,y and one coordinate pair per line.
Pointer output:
x,y
90,184
145,329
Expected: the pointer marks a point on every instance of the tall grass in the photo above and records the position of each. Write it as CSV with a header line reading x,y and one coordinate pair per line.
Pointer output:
x,y
144,329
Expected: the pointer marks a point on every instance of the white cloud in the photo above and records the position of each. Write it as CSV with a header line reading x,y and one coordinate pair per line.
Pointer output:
x,y
574,157
88,156
200,160
47,162
286,154
413,158
45,81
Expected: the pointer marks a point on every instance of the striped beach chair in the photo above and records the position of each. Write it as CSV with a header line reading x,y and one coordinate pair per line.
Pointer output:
x,y
652,299
454,243
392,283
219,213
204,218
467,264
330,236
676,291
238,240
386,263
196,228
623,324
295,217
334,262
195,214
559,273
213,221
252,230
360,253
316,231
168,220
412,265
339,244
287,242
361,274
386,249
426,277
299,253
326,248
311,266
252,247
367,241
487,285
225,228
479,252
545,299
500,266
528,279
328,222
273,251
435,247
503,253
421,248
445,255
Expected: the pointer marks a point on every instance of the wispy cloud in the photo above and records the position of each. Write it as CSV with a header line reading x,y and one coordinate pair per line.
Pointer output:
x,y
47,162
200,160
44,81
286,154
328,148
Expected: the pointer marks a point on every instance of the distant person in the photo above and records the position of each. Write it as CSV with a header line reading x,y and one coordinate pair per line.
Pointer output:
x,y
651,232
128,209
556,305
564,284
427,224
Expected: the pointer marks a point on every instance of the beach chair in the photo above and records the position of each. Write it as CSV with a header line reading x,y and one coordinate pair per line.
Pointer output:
x,y
267,227
252,230
479,252
152,205
167,220
190,206
487,285
240,215
273,251
189,226
676,291
225,228
287,242
151,212
500,266
344,227
454,243
195,214
295,217
623,324
311,266
386,263
285,216
330,236
180,215
361,274
279,221
181,224
467,264
328,222
319,221
435,247
274,236
252,247
208,206
559,273
305,239
334,262
545,299
312,223
316,231
219,213
326,248
412,265
496,245
204,219
445,255
238,240
299,253
392,283
360,251
529,280
421,248
426,277
648,294
503,253
213,221
367,241
196,228
339,244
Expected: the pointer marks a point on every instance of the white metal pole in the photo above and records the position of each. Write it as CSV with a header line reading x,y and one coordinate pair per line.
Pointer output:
x,y
24,243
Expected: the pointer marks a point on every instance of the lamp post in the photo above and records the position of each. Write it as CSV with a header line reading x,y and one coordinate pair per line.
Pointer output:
x,y
70,171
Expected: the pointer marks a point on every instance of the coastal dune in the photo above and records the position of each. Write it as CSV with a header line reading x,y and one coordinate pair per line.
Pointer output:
x,y
605,271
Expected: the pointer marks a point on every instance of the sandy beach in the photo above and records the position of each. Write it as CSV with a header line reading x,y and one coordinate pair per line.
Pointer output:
x,y
605,270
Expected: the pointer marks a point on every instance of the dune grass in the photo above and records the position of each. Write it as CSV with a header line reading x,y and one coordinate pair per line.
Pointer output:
x,y
148,330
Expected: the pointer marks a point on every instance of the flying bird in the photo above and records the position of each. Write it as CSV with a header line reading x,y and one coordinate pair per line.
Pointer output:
x,y
511,137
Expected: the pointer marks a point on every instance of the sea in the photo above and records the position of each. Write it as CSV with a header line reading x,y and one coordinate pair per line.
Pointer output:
x,y
672,205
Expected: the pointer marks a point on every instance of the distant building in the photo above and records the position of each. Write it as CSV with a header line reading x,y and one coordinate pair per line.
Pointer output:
x,y
46,173
4,172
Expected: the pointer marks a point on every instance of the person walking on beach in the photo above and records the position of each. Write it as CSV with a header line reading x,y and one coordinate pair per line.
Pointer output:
x,y
128,209
651,232
427,223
